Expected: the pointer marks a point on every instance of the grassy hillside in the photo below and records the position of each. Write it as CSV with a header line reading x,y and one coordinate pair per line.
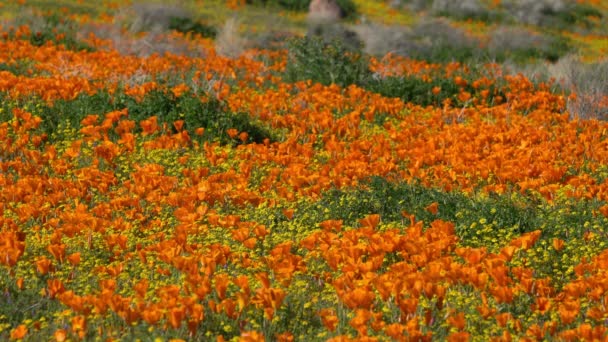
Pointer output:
x,y
232,170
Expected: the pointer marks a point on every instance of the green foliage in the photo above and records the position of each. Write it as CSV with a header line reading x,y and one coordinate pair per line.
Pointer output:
x,y
480,221
380,196
17,68
558,47
313,59
330,32
521,46
17,305
213,114
416,90
332,63
576,14
348,8
446,52
294,5
187,25
58,30
413,89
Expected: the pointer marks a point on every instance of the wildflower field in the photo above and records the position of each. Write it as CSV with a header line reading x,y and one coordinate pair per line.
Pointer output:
x,y
298,192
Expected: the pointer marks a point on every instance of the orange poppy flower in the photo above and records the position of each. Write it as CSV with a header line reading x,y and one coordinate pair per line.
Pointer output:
x,y
43,265
251,336
232,132
250,243
19,332
542,304
57,251
151,315
432,208
54,287
285,337
526,240
503,318
264,279
461,336
359,322
507,252
260,231
329,225
175,317
288,213
221,285
359,298
569,310
149,126
370,221
458,321
179,125
60,335
79,325
74,258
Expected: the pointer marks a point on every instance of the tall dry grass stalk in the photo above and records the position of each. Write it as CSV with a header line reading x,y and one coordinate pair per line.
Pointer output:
x,y
587,82
229,41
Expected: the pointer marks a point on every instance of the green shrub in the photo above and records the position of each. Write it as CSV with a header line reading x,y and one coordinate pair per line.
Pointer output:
x,y
332,63
520,45
187,25
577,14
413,89
348,8
294,5
437,40
19,67
418,91
213,115
311,58
153,17
53,28
330,32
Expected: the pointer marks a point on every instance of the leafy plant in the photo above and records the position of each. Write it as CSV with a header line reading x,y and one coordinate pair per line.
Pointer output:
x,y
311,58
56,29
187,25
576,14
212,115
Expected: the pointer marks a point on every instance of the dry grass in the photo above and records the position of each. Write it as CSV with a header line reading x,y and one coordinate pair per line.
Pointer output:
x,y
229,41
380,39
536,72
506,39
143,44
589,84
330,31
151,16
460,9
534,12
426,39
585,85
